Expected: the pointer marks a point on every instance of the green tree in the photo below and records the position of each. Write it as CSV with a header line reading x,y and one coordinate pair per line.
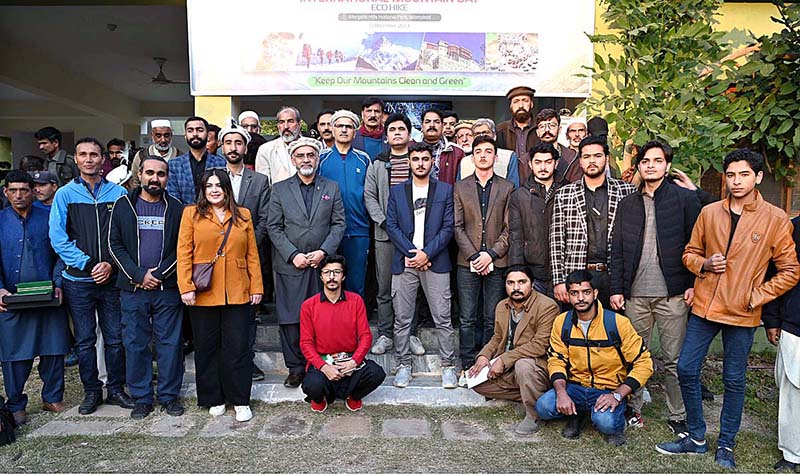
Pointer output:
x,y
666,78
770,82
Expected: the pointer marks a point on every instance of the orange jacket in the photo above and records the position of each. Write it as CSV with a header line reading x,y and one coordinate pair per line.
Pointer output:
x,y
237,273
764,234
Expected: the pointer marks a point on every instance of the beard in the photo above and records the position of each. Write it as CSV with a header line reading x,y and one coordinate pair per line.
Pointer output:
x,y
198,143
306,171
522,115
234,157
289,136
162,148
154,190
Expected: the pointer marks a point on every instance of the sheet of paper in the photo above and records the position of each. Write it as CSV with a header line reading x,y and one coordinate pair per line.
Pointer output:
x,y
481,377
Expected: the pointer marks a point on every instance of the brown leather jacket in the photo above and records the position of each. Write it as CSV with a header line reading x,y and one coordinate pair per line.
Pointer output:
x,y
532,336
764,234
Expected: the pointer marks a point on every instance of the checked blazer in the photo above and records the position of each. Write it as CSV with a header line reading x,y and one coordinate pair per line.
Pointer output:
x,y
180,184
568,235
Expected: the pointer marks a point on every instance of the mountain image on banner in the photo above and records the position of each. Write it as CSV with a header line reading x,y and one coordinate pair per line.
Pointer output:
x,y
385,55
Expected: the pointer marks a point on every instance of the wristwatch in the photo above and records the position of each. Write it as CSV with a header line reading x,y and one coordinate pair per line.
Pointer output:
x,y
617,396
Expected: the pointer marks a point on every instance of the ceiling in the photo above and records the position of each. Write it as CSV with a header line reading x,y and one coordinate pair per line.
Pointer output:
x,y
122,60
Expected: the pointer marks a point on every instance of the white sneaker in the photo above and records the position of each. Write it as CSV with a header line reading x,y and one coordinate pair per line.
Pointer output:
x,y
462,380
243,413
416,346
217,410
449,377
382,345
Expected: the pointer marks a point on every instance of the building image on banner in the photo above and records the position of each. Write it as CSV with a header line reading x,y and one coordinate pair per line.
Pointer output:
x,y
403,47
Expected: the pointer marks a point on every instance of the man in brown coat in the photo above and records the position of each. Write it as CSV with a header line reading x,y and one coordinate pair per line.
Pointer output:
x,y
517,353
519,133
481,232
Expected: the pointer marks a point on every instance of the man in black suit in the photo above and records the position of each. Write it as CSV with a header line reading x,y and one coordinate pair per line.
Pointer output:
x,y
305,223
250,190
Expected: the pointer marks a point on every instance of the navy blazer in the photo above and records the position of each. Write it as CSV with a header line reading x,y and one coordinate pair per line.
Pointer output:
x,y
439,225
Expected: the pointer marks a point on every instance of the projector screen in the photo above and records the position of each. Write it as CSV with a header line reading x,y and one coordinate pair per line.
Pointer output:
x,y
390,47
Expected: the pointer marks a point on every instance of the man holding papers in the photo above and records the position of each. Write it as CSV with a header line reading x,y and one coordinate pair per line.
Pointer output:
x,y
513,365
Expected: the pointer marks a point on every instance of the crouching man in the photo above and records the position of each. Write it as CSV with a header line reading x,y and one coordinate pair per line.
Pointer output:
x,y
516,353
335,339
596,360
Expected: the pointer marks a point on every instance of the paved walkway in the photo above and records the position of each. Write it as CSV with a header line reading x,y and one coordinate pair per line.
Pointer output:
x,y
294,422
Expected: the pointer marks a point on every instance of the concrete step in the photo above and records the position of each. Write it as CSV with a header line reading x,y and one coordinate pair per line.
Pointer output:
x,y
267,336
271,360
423,390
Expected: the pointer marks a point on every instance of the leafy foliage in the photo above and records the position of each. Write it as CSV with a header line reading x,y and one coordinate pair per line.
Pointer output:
x,y
770,82
666,78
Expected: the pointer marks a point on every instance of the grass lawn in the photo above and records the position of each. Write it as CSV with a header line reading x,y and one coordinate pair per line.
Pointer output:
x,y
546,452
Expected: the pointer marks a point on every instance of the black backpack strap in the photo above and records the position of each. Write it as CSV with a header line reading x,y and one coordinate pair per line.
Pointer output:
x,y
566,328
610,324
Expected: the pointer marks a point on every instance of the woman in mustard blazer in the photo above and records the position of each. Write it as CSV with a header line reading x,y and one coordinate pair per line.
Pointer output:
x,y
221,314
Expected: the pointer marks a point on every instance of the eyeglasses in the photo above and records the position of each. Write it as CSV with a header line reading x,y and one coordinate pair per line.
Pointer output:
x,y
547,126
330,272
252,126
344,126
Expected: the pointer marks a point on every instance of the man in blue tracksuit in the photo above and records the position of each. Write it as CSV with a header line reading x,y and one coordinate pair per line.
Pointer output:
x,y
143,238
348,167
79,222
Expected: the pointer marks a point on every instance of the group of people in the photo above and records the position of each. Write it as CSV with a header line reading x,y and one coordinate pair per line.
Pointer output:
x,y
556,270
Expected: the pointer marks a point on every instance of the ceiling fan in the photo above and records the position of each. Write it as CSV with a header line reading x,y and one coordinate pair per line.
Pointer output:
x,y
161,78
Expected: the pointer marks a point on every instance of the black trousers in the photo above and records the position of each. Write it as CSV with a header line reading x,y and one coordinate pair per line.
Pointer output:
x,y
362,382
290,345
222,354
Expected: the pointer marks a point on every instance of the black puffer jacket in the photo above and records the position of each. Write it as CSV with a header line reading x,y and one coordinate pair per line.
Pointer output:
x,y
676,212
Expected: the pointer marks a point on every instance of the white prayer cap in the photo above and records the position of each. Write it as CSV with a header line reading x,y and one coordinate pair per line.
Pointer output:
x,y
119,175
345,114
304,142
160,123
234,129
247,114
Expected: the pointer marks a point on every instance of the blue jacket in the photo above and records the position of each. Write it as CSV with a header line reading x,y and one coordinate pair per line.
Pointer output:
x,y
372,147
784,312
181,181
34,228
350,174
439,223
79,222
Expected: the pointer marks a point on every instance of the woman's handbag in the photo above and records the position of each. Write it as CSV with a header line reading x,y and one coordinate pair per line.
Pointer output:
x,y
201,273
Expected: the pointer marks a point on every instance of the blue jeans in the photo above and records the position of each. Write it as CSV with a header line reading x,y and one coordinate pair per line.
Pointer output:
x,y
355,250
149,315
85,300
736,344
472,335
584,398
16,373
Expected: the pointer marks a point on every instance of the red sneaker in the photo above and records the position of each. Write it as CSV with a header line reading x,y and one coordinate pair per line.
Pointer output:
x,y
319,406
353,404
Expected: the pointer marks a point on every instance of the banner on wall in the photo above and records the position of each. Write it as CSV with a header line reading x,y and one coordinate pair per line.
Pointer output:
x,y
397,47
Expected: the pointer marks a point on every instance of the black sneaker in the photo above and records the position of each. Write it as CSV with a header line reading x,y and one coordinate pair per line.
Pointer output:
x,y
574,427
679,428
120,399
616,439
784,465
173,408
706,393
257,374
140,411
91,401
725,459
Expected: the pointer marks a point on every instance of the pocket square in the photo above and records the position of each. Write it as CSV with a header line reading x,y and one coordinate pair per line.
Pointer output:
x,y
326,198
